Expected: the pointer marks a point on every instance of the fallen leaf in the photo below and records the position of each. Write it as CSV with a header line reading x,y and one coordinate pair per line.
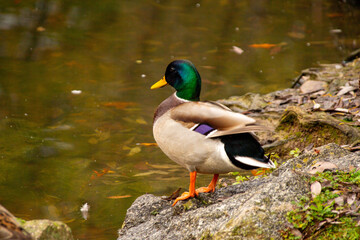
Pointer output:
x,y
333,15
315,188
150,173
101,173
312,86
276,50
141,121
92,141
296,232
339,200
258,172
118,105
102,136
40,29
344,110
174,195
147,144
119,197
162,166
297,35
321,167
134,151
214,82
351,199
263,45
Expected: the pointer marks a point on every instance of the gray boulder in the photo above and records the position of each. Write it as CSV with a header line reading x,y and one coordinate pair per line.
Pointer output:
x,y
48,230
254,209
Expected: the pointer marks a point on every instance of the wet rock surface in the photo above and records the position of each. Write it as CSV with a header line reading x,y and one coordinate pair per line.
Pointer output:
x,y
48,230
254,209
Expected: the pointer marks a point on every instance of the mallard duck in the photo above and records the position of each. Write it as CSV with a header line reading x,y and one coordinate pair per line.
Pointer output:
x,y
203,137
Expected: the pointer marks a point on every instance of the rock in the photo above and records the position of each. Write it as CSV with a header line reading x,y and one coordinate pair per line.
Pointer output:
x,y
253,209
48,230
311,86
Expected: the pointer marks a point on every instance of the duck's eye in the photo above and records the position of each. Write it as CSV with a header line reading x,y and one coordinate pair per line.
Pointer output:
x,y
172,69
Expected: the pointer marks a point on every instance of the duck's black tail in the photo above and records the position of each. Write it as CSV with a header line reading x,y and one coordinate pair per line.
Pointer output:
x,y
245,152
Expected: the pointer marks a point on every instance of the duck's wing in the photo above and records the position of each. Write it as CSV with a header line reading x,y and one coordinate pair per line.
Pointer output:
x,y
214,120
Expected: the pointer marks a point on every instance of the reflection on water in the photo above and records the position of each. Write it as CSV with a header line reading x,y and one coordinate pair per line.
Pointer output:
x,y
75,98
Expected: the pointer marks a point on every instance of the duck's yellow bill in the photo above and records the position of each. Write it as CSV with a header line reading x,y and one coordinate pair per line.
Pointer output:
x,y
159,84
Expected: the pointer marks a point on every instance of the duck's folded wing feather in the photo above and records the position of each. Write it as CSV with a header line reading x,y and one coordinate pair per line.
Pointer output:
x,y
224,121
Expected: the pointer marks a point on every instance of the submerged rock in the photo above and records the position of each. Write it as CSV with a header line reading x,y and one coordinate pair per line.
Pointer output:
x,y
12,228
253,209
48,230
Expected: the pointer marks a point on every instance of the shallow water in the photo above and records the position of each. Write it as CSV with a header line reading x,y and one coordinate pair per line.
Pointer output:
x,y
75,99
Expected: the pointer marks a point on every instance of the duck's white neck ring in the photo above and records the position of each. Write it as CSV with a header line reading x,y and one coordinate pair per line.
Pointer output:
x,y
181,99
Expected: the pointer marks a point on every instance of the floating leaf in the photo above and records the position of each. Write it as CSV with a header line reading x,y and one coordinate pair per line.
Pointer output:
x,y
150,173
119,197
118,105
102,135
334,15
263,45
215,83
40,29
141,121
297,35
101,173
147,144
93,140
162,166
315,188
134,151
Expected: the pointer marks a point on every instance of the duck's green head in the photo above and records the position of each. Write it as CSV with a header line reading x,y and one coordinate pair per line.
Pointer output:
x,y
183,76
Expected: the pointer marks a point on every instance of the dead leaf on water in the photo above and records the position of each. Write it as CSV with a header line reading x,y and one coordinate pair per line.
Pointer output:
x,y
40,29
134,151
146,144
118,105
315,188
213,82
150,173
93,140
119,197
334,15
263,45
97,174
162,166
141,121
297,35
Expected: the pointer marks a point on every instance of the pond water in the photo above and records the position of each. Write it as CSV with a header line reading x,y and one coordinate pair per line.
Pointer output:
x,y
75,103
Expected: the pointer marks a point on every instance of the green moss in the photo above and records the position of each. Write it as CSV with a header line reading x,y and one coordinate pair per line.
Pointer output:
x,y
321,217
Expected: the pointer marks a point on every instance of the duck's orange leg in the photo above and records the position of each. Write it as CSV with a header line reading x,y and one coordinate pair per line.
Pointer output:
x,y
210,188
191,192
